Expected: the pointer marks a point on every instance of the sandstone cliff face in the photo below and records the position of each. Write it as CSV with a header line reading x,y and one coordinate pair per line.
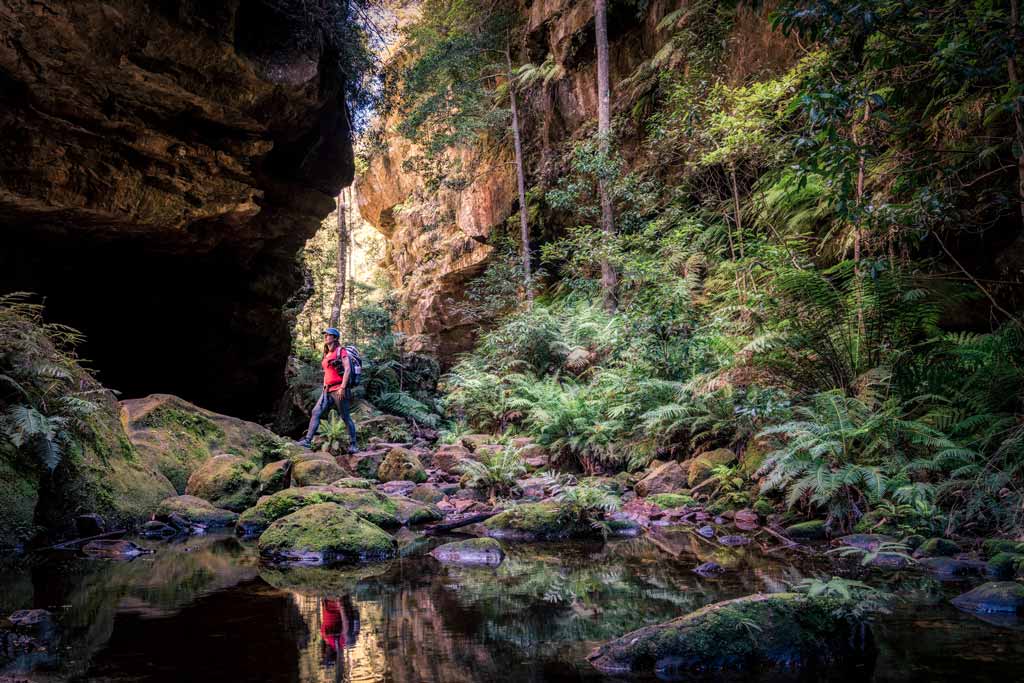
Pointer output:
x,y
160,165
435,247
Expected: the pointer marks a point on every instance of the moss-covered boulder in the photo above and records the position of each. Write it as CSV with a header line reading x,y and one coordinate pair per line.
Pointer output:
x,y
1005,566
663,478
413,512
937,547
401,464
1005,597
176,437
195,511
699,468
370,505
784,633
427,493
993,546
534,522
275,477
486,551
366,463
325,533
811,530
666,501
227,481
99,470
316,471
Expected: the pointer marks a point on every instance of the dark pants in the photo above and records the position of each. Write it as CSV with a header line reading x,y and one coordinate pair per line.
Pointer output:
x,y
324,405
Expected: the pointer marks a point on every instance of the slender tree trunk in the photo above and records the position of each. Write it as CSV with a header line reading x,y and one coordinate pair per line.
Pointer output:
x,y
739,227
858,229
609,278
1018,112
342,262
351,247
524,227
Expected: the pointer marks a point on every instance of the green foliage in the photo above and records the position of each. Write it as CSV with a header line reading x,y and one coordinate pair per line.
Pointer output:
x,y
335,434
843,453
495,472
45,399
852,598
583,505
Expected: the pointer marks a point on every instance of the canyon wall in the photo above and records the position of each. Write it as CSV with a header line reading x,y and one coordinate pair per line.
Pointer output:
x,y
435,247
161,163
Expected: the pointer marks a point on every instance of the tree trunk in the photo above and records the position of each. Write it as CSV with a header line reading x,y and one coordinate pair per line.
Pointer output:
x,y
1018,113
609,278
524,227
861,162
342,262
351,247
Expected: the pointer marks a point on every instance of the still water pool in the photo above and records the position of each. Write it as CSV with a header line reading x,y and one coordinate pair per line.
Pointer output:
x,y
204,609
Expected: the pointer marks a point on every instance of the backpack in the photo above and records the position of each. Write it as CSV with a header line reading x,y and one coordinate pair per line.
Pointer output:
x,y
355,363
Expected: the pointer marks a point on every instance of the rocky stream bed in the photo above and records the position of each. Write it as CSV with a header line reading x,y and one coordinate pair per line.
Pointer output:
x,y
271,562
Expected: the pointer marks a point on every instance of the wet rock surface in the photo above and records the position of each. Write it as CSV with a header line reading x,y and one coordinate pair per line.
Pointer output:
x,y
324,534
195,511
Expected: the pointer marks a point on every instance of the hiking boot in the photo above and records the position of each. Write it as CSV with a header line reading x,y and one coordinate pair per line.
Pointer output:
x,y
353,449
305,443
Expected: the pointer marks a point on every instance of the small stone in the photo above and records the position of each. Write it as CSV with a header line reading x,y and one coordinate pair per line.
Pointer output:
x,y
706,531
427,493
708,569
745,520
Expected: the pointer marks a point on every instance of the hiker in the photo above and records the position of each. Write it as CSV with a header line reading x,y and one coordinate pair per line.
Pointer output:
x,y
342,368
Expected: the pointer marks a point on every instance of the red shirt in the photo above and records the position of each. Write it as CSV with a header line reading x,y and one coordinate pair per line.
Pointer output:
x,y
333,376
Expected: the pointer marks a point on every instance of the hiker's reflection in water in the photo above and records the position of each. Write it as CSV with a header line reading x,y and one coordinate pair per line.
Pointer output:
x,y
339,627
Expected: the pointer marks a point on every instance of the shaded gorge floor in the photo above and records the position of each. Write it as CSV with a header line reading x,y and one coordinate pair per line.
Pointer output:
x,y
204,609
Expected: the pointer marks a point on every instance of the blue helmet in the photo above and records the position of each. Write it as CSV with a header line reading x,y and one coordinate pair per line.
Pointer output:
x,y
333,331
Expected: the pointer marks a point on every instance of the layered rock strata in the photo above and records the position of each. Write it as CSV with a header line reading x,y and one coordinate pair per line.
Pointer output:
x,y
160,165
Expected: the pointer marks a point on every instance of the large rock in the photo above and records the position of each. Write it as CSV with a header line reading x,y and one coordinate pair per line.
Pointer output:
x,y
370,505
312,472
171,159
427,493
1005,597
534,522
401,464
275,477
414,512
448,456
195,511
700,468
366,463
784,633
664,478
227,481
325,533
177,437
